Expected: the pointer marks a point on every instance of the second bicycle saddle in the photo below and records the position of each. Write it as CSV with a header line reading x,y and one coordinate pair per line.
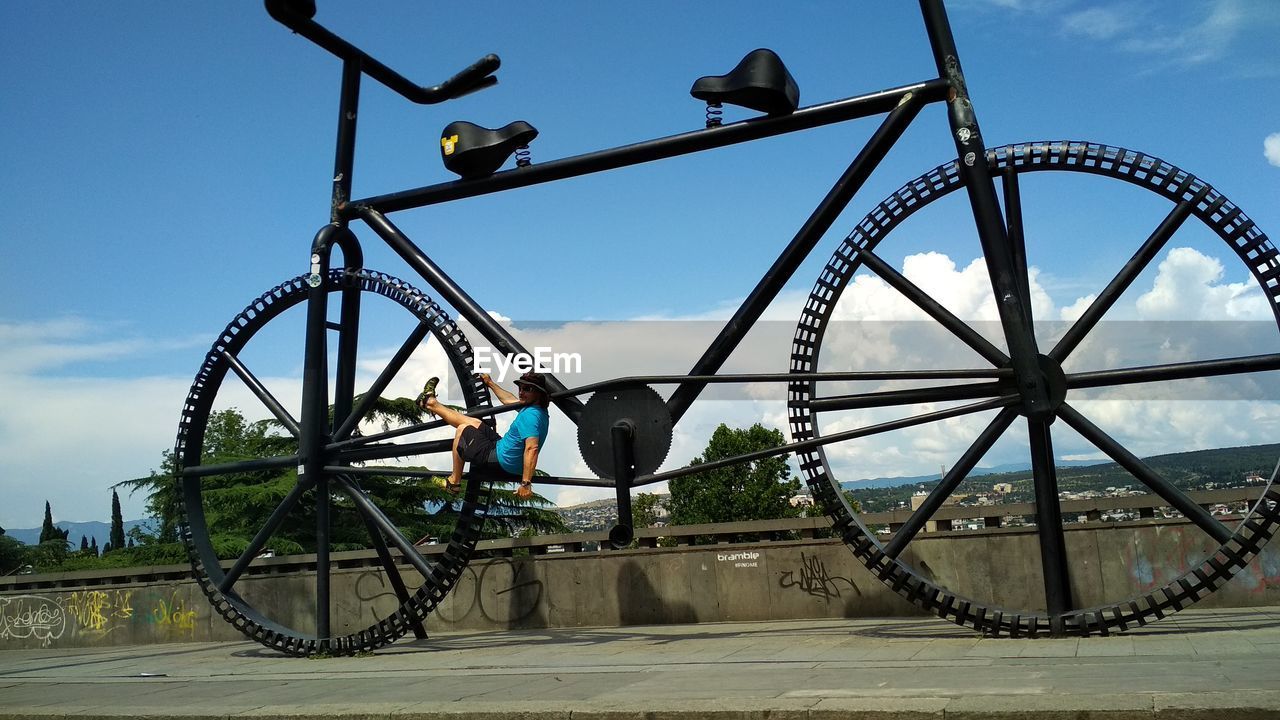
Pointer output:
x,y
473,151
759,82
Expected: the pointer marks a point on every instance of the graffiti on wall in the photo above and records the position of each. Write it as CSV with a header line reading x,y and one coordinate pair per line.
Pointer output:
x,y
814,579
502,591
100,611
171,613
92,613
25,617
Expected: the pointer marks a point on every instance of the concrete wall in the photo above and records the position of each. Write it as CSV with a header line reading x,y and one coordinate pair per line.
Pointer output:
x,y
762,581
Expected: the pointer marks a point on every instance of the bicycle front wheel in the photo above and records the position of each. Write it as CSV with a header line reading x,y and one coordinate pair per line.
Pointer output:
x,y
242,496
1184,361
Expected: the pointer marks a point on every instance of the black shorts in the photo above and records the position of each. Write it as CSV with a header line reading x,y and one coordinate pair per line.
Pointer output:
x,y
479,445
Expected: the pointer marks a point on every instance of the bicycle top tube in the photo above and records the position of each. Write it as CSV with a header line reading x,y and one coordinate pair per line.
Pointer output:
x,y
876,103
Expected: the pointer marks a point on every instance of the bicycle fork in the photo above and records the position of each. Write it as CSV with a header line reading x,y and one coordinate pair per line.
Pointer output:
x,y
1004,250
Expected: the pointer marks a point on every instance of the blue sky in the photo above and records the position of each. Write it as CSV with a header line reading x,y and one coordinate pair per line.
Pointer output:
x,y
166,163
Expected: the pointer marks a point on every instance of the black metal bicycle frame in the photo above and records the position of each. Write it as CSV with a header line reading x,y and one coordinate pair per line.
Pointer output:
x,y
1004,255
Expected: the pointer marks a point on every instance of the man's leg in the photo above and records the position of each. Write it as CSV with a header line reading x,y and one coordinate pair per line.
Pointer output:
x,y
460,423
449,415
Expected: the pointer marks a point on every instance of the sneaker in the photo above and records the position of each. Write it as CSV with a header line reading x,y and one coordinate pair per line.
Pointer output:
x,y
428,391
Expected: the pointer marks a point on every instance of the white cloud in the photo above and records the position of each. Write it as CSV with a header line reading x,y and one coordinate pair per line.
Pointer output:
x,y
43,346
1073,311
68,438
1271,149
879,332
1099,23
1188,287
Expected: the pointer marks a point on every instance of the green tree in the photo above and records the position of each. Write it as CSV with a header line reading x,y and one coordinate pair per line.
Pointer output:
x,y
757,490
116,539
854,504
48,556
13,555
644,510
48,532
237,505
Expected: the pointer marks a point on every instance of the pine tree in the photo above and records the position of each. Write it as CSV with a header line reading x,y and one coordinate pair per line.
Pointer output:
x,y
84,544
48,531
117,524
93,546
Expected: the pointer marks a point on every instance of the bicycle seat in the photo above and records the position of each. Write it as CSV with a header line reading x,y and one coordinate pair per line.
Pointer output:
x,y
759,82
473,151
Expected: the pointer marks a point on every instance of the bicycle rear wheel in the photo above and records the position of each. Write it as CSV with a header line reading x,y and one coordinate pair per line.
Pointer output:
x,y
1107,386
239,471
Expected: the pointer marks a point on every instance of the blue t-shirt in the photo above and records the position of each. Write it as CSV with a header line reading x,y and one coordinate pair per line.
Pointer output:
x,y
530,422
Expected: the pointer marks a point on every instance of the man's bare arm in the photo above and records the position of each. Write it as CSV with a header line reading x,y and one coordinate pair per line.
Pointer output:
x,y
504,397
531,448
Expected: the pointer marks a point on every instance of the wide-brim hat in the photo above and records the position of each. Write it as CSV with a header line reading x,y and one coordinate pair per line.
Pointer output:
x,y
535,381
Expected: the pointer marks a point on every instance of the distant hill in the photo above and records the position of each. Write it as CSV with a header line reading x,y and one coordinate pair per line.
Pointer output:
x,y
93,529
607,502
886,482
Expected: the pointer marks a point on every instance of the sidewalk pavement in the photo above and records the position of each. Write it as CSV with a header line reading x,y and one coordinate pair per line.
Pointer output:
x,y
1220,664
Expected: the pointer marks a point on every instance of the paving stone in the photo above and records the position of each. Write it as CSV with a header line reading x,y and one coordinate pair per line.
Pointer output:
x,y
1224,665
920,708
1051,707
1236,705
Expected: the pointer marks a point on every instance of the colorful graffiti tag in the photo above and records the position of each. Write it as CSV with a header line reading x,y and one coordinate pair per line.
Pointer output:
x,y
100,611
93,614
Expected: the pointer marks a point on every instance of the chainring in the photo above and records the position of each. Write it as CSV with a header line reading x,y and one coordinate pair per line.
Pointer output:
x,y
645,408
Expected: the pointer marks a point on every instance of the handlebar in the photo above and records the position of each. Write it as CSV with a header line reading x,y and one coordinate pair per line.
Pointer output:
x,y
297,16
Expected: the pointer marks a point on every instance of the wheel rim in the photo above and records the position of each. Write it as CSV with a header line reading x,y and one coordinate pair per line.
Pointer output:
x,y
1235,548
194,530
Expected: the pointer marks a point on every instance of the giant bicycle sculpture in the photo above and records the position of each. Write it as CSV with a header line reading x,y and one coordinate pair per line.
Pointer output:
x,y
625,426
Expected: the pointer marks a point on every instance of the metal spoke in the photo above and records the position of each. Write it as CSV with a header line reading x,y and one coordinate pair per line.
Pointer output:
x,y
393,450
384,471
260,540
384,379
497,477
374,514
389,566
1053,546
940,393
1174,371
954,477
817,442
933,308
261,392
1143,472
371,439
1017,238
275,463
1121,282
